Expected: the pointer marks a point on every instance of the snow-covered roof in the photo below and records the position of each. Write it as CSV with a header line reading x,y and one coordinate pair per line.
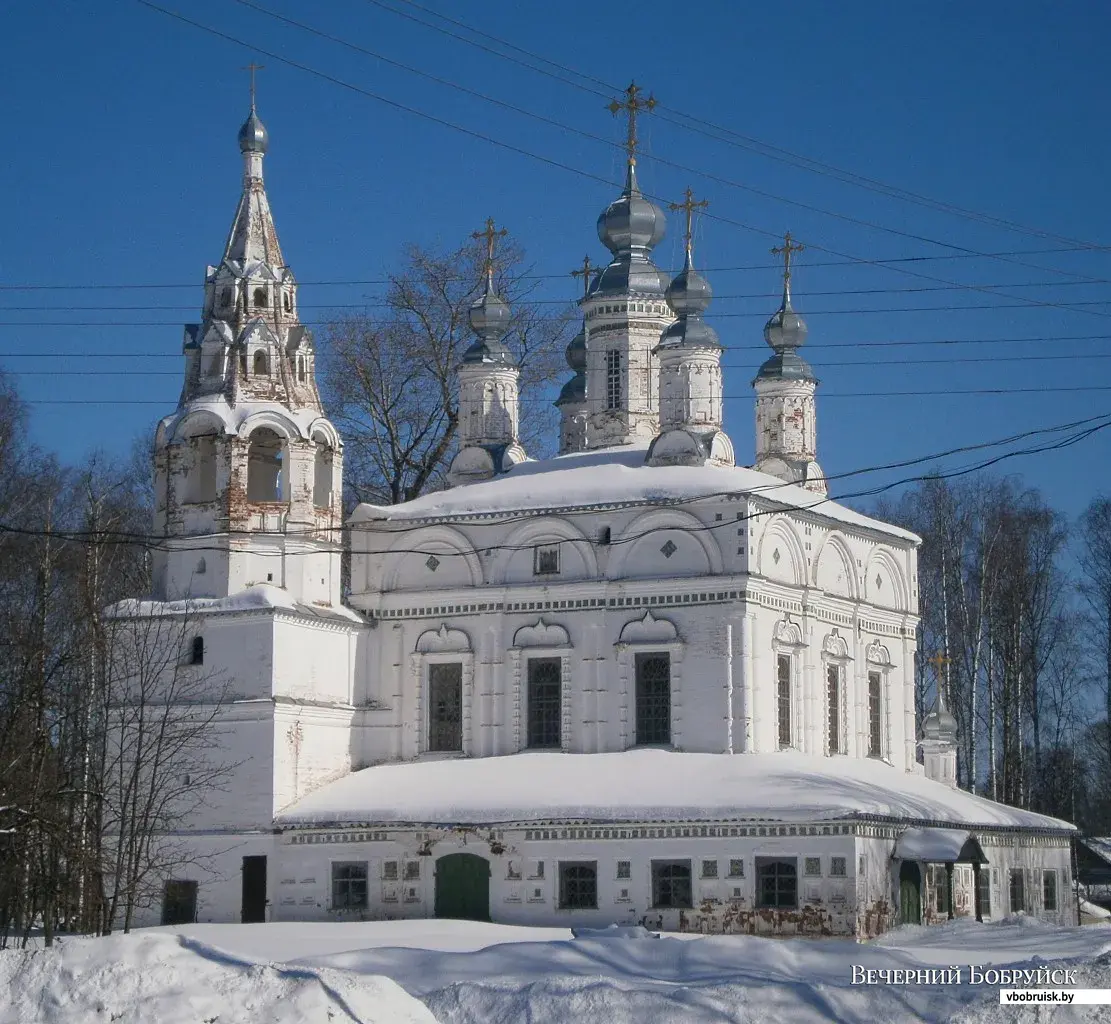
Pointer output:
x,y
937,845
614,476
257,597
647,785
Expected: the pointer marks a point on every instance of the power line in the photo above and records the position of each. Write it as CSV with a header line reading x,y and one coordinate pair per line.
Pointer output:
x,y
767,150
749,267
946,393
611,144
557,163
1091,426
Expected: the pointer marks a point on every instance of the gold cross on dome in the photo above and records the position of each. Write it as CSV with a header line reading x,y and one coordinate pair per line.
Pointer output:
x,y
938,661
584,273
252,68
490,235
786,250
690,206
632,105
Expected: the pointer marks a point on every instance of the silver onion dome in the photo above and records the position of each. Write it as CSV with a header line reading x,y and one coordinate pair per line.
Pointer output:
x,y
784,333
940,724
575,389
253,137
689,296
631,223
489,317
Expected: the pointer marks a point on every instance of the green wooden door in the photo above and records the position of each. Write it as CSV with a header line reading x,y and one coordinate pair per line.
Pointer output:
x,y
910,893
463,887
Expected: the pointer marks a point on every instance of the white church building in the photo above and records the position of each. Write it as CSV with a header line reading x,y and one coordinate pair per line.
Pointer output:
x,y
638,682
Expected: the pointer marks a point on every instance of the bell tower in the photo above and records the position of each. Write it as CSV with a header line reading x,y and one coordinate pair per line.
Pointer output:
x,y
248,471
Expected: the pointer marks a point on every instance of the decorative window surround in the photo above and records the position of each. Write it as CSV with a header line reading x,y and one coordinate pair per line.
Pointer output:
x,y
441,646
542,640
835,655
642,636
878,659
787,639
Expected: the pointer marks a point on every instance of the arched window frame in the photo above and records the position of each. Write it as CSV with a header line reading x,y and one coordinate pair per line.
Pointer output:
x,y
446,645
836,664
540,640
878,661
649,635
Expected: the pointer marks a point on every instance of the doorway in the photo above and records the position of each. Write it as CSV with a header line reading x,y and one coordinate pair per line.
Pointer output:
x,y
463,887
254,890
910,893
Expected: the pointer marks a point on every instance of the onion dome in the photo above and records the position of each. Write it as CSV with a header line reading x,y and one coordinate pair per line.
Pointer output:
x,y
253,136
689,296
489,317
940,724
631,222
575,389
785,332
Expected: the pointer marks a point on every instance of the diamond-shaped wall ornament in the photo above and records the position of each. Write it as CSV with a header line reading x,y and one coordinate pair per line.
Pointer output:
x,y
879,582
776,556
669,549
433,563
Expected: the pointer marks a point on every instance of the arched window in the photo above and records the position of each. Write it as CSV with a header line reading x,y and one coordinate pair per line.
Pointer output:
x,y
202,567
301,369
265,457
198,651
202,475
260,298
260,367
322,476
287,302
216,364
225,297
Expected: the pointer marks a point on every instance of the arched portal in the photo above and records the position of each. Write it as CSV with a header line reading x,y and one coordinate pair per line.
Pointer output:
x,y
265,458
463,887
910,893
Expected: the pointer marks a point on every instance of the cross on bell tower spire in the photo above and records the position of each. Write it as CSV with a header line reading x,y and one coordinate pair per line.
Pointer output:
x,y
690,205
252,68
787,250
632,105
491,237
584,273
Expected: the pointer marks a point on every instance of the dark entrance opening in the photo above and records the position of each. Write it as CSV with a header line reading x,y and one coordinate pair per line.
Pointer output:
x,y
254,890
463,887
179,902
910,893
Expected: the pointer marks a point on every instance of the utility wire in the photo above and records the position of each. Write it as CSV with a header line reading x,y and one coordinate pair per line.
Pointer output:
x,y
1091,426
750,267
559,164
691,123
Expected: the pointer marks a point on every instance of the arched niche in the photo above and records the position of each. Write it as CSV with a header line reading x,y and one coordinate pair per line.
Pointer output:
x,y
884,582
260,363
662,543
834,572
516,561
781,556
432,558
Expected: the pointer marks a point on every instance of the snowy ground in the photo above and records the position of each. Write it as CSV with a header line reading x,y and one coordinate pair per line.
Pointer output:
x,y
465,973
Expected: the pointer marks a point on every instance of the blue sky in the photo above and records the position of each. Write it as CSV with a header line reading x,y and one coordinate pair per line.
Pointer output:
x,y
121,168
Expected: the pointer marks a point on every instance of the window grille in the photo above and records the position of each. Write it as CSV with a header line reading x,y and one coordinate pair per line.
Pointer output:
x,y
1018,891
544,702
777,883
671,883
1049,890
445,706
653,698
783,694
736,867
412,870
833,700
545,560
389,871
985,891
709,869
837,867
349,885
578,885
624,869
813,866
613,379
875,721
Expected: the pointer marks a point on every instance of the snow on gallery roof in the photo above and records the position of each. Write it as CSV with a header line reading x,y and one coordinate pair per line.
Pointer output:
x,y
256,597
646,785
613,476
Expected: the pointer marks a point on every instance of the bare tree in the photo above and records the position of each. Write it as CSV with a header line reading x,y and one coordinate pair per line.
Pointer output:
x,y
390,379
1093,555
